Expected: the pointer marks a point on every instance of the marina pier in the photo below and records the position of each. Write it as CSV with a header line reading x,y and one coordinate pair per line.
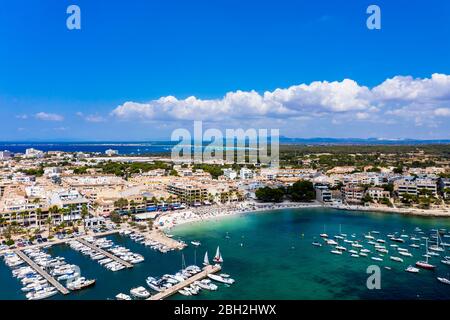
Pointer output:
x,y
105,253
199,276
42,272
62,241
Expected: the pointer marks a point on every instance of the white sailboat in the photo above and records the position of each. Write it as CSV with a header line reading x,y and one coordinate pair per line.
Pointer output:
x,y
206,259
425,264
218,256
436,247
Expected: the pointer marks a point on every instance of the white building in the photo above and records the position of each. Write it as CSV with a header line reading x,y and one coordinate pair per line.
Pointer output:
x,y
52,171
269,173
33,153
111,152
230,173
69,199
444,184
405,186
427,184
323,194
5,155
22,178
35,192
378,193
94,222
246,174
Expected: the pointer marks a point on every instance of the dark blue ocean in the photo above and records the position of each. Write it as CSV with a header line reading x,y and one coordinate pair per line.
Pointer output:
x,y
129,148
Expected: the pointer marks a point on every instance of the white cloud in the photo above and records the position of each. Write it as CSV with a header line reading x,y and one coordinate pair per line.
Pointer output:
x,y
409,89
48,116
91,117
94,118
405,98
442,112
362,115
302,100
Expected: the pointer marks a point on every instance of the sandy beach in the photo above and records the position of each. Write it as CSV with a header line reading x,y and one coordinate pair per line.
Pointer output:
x,y
191,215
166,222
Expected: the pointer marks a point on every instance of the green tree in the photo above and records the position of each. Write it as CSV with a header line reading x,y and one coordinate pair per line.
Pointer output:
x,y
367,198
268,194
150,225
115,217
84,213
302,191
38,217
398,169
121,204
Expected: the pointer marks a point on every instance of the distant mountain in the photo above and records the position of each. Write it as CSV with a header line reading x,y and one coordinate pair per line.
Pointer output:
x,y
368,141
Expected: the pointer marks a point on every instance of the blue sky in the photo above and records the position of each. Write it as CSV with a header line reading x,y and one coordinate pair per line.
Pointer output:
x,y
129,72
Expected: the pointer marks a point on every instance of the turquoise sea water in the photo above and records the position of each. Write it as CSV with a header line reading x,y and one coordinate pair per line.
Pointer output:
x,y
270,256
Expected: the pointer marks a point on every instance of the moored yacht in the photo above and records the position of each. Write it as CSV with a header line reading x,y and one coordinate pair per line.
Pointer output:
x,y
398,259
412,269
140,292
425,264
443,280
220,279
123,296
80,283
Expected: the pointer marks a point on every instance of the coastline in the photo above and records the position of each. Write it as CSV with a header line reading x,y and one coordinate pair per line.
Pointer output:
x,y
218,212
403,211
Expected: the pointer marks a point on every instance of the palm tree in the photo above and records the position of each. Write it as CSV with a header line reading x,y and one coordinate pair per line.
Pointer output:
x,y
71,210
26,214
12,217
84,213
49,224
121,203
38,217
132,206
22,216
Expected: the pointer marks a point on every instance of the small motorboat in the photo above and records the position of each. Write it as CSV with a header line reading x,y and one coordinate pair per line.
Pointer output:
x,y
376,259
412,269
443,280
140,292
397,259
123,296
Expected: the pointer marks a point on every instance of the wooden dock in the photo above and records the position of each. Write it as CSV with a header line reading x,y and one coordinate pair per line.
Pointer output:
x,y
105,253
197,277
42,272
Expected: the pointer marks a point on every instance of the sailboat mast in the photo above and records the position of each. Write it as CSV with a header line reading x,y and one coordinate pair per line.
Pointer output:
x,y
437,238
183,264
